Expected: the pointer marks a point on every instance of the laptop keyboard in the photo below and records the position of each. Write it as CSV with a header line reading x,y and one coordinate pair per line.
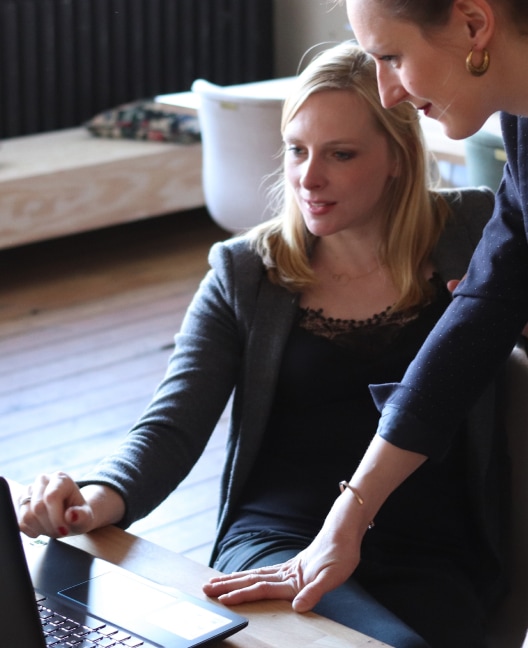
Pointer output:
x,y
61,632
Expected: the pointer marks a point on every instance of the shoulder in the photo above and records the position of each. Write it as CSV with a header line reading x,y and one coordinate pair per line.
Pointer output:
x,y
465,200
237,272
235,255
471,208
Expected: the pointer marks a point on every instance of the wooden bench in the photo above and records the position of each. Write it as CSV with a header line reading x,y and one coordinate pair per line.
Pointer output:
x,y
68,181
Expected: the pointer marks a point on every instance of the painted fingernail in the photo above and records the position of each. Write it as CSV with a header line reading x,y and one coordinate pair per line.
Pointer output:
x,y
63,531
74,516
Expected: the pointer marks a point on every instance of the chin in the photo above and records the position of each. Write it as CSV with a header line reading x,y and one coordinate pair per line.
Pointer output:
x,y
461,129
318,229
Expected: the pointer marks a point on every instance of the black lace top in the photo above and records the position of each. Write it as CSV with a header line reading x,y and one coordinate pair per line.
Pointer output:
x,y
323,420
366,337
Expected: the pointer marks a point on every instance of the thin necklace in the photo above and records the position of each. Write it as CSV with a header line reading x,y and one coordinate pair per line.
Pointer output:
x,y
344,277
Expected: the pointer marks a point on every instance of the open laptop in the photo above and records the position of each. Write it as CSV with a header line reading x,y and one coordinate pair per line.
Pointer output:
x,y
49,588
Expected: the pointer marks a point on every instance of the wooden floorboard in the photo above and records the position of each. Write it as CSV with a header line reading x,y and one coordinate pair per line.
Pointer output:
x,y
86,329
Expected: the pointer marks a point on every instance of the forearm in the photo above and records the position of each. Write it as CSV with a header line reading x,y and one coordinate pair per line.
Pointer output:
x,y
383,468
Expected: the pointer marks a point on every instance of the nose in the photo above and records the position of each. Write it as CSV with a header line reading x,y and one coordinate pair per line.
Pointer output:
x,y
391,90
312,175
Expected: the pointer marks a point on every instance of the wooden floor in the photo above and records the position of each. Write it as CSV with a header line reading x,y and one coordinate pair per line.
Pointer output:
x,y
86,328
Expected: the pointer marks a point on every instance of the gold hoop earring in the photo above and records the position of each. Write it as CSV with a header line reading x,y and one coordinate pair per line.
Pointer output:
x,y
482,68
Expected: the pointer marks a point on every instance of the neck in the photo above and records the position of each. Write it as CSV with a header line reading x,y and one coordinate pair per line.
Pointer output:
x,y
345,277
346,261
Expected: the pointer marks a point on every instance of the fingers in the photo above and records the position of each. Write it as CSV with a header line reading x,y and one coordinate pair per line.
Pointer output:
x,y
271,572
310,596
276,582
268,583
223,584
259,591
453,283
53,506
265,583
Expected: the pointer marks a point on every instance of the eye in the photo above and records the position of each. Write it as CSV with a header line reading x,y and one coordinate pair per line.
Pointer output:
x,y
294,149
344,156
391,59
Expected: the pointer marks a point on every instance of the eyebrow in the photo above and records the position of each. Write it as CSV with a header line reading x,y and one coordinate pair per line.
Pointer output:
x,y
337,143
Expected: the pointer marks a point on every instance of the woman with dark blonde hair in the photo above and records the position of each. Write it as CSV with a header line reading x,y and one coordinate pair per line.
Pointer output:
x,y
295,319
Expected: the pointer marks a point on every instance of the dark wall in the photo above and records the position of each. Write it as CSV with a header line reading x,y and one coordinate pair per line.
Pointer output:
x,y
63,61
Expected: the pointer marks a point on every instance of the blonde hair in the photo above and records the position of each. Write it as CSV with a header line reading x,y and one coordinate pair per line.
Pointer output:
x,y
415,214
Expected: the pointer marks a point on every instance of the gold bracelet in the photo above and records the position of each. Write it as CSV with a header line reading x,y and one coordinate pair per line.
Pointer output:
x,y
355,492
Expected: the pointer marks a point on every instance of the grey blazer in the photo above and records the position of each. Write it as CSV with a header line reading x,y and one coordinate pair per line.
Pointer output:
x,y
231,343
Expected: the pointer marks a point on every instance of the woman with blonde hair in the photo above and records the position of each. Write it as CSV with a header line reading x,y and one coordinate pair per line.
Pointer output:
x,y
295,319
418,215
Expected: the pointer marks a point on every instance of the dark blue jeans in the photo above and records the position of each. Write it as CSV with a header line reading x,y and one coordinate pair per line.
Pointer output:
x,y
412,604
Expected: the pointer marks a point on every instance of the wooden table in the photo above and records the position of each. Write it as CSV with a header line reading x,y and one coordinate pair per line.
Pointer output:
x,y
272,624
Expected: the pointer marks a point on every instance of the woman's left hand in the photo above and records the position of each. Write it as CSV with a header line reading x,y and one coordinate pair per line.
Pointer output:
x,y
325,564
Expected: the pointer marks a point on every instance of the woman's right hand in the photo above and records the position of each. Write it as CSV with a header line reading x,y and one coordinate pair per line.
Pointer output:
x,y
55,506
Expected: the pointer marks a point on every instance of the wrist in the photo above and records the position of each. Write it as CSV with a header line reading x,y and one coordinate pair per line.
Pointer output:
x,y
106,505
348,520
344,485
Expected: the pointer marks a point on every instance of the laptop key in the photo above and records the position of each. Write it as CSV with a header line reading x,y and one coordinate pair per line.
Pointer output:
x,y
107,630
106,642
133,642
120,635
57,643
93,636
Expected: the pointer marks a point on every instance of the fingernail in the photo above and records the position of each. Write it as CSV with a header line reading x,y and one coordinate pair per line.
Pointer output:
x,y
74,516
63,531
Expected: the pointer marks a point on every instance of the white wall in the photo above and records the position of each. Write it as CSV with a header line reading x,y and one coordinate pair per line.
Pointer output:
x,y
301,24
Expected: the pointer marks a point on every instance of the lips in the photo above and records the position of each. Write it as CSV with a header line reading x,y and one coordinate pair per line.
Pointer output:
x,y
318,206
426,108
